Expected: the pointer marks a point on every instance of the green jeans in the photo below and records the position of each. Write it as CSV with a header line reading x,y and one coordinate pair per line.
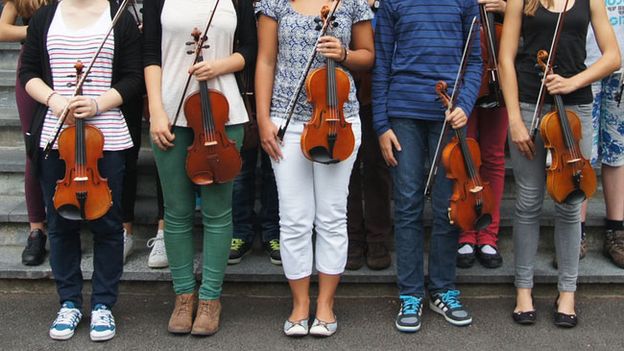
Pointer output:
x,y
216,209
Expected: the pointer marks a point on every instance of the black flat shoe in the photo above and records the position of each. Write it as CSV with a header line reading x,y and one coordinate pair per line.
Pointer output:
x,y
524,318
564,320
494,260
465,260
34,252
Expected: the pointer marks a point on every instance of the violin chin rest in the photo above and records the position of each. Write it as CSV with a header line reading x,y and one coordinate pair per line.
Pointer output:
x,y
70,212
575,197
321,155
482,222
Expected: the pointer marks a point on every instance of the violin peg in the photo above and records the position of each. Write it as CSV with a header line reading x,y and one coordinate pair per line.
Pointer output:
x,y
319,27
206,46
334,24
317,20
190,52
189,43
332,18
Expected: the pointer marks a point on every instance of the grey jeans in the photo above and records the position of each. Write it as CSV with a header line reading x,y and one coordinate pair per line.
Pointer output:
x,y
530,183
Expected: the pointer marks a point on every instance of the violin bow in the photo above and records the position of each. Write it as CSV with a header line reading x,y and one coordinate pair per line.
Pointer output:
x,y
136,14
458,81
198,48
59,124
293,101
537,114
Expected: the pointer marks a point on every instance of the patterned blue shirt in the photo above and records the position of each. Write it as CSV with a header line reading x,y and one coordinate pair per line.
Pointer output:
x,y
296,40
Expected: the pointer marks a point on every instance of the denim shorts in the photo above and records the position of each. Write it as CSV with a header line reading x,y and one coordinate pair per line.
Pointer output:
x,y
608,121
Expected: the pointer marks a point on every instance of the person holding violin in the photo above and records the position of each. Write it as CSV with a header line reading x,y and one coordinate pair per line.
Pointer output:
x,y
231,45
488,125
34,252
48,74
534,23
408,121
311,194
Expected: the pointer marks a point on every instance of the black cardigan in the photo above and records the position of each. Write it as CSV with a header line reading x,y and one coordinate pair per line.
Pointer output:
x,y
127,69
245,42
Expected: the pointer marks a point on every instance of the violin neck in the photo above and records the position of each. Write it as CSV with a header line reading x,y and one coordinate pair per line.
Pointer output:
x,y
565,123
465,150
207,119
331,83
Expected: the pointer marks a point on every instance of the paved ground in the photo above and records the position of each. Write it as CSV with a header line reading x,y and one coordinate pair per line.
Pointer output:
x,y
254,322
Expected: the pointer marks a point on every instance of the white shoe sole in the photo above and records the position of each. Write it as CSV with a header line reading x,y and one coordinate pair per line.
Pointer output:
x,y
102,337
60,336
405,329
435,309
276,262
162,264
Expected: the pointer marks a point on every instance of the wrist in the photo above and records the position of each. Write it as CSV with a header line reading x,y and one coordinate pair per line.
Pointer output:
x,y
345,54
97,106
50,96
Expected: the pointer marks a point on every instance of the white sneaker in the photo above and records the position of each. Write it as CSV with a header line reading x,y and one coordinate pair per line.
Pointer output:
x,y
66,322
102,323
128,243
158,255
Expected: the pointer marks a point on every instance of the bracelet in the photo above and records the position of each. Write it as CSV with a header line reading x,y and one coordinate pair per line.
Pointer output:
x,y
346,54
47,101
97,107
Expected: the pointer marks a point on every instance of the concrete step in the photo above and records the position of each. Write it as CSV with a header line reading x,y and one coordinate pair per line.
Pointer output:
x,y
594,269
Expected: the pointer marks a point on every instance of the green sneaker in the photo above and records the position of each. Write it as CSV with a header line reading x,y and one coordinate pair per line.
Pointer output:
x,y
273,249
238,249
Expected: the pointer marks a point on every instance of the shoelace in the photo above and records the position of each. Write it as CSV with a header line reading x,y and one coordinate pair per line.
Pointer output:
x,y
237,244
274,245
67,316
102,318
451,298
410,304
158,249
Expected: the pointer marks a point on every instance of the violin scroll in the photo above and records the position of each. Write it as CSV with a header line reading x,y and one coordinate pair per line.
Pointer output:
x,y
441,89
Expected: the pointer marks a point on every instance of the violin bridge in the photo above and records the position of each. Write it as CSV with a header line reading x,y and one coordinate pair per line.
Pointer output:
x,y
210,143
332,119
476,189
574,160
81,179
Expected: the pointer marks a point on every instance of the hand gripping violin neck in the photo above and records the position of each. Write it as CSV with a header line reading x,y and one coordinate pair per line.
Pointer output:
x,y
82,193
471,204
327,137
213,157
570,178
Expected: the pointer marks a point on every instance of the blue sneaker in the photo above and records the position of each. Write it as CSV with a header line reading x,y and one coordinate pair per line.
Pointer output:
x,y
66,321
408,319
102,323
448,304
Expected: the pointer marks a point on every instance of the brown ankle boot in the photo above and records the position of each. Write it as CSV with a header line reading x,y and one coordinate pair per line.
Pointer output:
x,y
377,256
614,247
207,319
181,319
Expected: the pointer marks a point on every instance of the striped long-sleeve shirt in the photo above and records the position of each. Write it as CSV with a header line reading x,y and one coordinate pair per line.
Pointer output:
x,y
418,43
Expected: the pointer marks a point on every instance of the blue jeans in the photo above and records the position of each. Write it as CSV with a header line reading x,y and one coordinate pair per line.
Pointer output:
x,y
418,140
244,198
64,235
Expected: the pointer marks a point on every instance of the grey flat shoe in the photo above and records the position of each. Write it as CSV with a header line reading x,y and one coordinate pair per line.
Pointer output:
x,y
297,328
324,329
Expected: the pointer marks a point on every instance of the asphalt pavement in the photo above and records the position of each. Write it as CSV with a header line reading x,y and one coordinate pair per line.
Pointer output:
x,y
253,321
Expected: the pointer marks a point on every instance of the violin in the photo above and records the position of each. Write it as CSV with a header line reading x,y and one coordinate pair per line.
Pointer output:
x,y
471,204
213,157
490,94
82,193
327,138
570,178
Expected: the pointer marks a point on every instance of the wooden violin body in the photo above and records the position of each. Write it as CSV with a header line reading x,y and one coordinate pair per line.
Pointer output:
x,y
327,137
213,157
570,178
82,193
471,204
490,94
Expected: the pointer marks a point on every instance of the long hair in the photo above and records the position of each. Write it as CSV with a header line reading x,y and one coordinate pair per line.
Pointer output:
x,y
530,6
26,8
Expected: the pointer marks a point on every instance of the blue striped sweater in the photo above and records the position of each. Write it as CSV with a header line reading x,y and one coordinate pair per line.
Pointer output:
x,y
417,43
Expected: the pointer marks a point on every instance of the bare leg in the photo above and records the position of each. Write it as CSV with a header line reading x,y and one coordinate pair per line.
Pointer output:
x,y
128,227
300,290
325,302
524,300
161,224
566,302
584,210
613,187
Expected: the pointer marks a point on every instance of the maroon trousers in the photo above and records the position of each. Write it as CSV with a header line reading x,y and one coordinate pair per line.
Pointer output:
x,y
370,181
489,127
26,107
